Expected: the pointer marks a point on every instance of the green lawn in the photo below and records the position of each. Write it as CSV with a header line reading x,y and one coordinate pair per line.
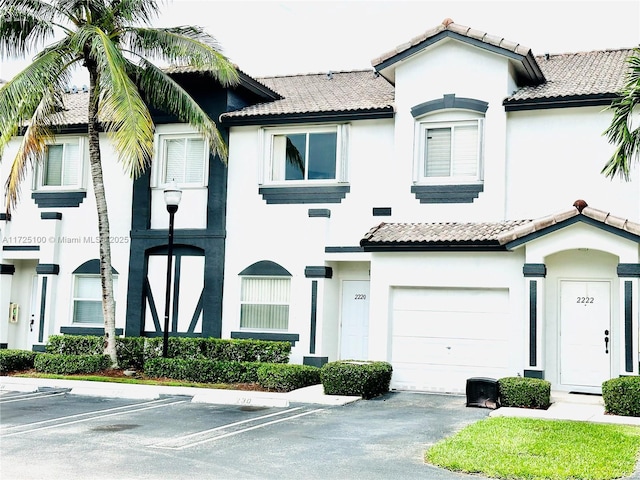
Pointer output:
x,y
523,448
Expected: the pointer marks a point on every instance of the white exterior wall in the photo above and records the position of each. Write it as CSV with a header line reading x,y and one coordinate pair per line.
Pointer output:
x,y
68,242
555,157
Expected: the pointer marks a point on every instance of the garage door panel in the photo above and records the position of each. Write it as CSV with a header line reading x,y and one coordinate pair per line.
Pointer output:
x,y
434,351
443,336
449,324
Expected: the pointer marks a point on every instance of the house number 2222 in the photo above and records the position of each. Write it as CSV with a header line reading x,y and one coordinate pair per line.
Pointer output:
x,y
584,300
360,296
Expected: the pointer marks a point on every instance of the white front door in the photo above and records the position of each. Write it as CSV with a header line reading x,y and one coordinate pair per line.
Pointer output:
x,y
354,337
585,333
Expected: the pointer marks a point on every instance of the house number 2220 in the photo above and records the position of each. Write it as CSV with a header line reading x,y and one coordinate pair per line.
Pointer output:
x,y
584,300
360,296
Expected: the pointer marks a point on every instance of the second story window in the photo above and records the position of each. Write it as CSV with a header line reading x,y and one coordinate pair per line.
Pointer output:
x,y
312,154
451,151
62,165
182,158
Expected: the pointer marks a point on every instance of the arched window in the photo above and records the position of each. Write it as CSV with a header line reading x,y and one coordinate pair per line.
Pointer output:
x,y
264,297
87,292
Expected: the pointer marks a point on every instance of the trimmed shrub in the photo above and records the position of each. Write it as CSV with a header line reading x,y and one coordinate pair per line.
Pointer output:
x,y
70,364
621,396
286,377
132,352
202,370
12,360
524,392
365,379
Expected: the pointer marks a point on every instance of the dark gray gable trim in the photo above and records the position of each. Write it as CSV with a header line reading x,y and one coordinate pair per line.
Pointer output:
x,y
465,193
571,221
629,270
304,194
306,117
50,216
483,246
21,248
532,69
256,87
534,270
7,269
47,269
449,101
92,267
265,268
95,331
343,249
319,213
58,199
318,272
595,100
274,337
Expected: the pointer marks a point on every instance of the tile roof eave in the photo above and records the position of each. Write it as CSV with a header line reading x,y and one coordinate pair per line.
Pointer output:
x,y
307,117
567,101
432,246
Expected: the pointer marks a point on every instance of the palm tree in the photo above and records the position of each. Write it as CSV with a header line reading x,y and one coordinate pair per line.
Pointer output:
x,y
105,37
621,132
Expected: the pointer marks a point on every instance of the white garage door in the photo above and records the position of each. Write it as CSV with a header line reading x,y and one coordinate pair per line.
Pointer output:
x,y
442,336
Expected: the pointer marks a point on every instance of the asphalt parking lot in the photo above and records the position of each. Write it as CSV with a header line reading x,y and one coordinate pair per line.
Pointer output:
x,y
51,434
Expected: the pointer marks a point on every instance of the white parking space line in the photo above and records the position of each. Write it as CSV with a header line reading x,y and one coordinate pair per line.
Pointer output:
x,y
30,396
236,432
132,410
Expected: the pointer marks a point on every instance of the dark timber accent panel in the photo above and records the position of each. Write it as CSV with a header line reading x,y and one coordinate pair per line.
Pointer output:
x,y
314,316
58,199
466,193
315,361
533,322
43,305
266,268
98,331
275,336
21,248
7,269
5,217
534,270
91,267
628,324
534,374
449,101
319,212
629,270
318,272
304,194
343,249
47,269
381,211
51,216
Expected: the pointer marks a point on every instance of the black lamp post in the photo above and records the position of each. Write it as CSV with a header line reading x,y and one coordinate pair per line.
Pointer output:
x,y
172,196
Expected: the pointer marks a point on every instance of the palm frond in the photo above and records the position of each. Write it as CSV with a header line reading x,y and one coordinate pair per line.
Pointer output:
x,y
183,46
134,11
621,132
122,112
165,93
24,24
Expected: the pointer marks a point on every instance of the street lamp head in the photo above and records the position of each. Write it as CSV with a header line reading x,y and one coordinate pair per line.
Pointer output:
x,y
172,196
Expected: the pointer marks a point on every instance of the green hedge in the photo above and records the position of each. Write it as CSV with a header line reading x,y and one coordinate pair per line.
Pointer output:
x,y
621,396
132,352
12,360
287,377
365,379
524,392
202,370
69,364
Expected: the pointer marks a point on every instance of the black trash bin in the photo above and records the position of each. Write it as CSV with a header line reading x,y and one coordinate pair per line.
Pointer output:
x,y
482,392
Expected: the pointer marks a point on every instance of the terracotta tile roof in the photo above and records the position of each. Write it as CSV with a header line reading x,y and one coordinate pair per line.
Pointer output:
x,y
449,25
574,74
323,92
487,233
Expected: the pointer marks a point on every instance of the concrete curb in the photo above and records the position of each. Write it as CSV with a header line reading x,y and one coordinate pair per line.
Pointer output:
x,y
313,394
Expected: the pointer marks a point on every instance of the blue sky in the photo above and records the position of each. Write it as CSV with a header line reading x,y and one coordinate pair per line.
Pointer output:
x,y
269,38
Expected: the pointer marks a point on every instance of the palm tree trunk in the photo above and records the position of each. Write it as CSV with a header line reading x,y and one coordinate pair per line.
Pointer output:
x,y
106,276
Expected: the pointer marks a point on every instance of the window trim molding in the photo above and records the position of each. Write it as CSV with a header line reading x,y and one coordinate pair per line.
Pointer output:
x,y
159,165
74,278
38,185
280,195
447,102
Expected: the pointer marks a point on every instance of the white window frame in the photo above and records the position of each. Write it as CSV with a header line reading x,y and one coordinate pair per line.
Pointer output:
x,y
242,302
74,298
39,183
160,162
437,121
268,164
